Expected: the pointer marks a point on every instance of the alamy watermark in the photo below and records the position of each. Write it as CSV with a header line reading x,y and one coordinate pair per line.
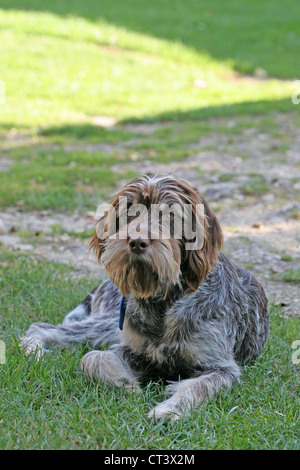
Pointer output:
x,y
2,352
160,221
296,353
296,94
2,92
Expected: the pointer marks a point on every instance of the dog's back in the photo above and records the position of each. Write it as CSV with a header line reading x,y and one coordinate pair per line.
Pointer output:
x,y
241,303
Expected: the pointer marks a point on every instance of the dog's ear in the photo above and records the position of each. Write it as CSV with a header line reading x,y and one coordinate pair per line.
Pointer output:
x,y
213,235
198,262
96,245
104,224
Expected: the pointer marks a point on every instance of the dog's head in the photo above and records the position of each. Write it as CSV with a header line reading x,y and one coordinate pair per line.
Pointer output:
x,y
155,233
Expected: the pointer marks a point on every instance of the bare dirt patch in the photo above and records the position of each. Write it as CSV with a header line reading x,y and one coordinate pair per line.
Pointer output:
x,y
251,180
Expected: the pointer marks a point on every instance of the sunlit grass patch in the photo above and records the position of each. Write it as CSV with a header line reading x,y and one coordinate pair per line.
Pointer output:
x,y
70,70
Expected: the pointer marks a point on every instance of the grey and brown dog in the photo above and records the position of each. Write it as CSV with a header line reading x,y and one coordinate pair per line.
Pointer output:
x,y
192,316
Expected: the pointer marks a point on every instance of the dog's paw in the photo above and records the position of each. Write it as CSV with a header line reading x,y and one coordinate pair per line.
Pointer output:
x,y
90,364
106,367
31,347
164,411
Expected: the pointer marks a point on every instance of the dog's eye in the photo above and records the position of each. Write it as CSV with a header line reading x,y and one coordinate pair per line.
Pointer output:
x,y
166,217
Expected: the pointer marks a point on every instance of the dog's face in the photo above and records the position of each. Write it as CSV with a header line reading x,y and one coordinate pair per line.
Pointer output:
x,y
145,247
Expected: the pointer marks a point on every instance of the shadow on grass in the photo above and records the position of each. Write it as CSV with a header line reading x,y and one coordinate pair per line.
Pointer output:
x,y
249,37
86,131
95,133
54,176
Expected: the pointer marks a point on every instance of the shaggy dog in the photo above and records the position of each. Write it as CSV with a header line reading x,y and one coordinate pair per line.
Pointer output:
x,y
173,307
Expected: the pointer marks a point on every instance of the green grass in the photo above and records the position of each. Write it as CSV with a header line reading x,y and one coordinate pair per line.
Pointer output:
x,y
65,64
257,186
51,405
293,275
57,229
59,180
70,170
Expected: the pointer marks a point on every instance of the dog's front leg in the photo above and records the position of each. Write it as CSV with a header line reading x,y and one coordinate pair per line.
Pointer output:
x,y
189,393
109,367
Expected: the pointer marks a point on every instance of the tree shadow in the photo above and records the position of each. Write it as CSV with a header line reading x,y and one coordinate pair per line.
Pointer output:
x,y
250,36
90,132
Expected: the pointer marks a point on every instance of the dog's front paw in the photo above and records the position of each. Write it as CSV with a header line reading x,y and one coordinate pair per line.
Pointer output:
x,y
165,410
90,364
107,367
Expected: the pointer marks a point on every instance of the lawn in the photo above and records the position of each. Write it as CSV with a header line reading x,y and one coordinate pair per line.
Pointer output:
x,y
66,65
81,79
51,405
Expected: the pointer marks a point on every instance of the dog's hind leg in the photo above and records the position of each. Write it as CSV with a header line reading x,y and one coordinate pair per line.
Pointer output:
x,y
82,311
98,331
94,320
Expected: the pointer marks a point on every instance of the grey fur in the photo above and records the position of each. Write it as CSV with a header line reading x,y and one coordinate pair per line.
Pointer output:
x,y
197,340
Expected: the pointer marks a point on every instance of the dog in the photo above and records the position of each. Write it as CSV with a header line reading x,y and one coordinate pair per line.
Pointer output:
x,y
189,317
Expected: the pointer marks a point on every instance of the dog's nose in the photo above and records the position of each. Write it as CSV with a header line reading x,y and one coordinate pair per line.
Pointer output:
x,y
138,245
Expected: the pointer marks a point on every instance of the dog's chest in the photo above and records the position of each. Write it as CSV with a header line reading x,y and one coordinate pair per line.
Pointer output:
x,y
143,336
156,340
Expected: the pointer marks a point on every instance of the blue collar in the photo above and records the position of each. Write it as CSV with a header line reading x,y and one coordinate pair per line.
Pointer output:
x,y
123,305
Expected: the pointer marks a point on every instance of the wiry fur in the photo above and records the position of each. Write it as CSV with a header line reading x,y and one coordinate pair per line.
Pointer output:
x,y
192,317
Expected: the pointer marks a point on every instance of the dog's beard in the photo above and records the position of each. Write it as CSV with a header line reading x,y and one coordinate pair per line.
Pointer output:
x,y
148,275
